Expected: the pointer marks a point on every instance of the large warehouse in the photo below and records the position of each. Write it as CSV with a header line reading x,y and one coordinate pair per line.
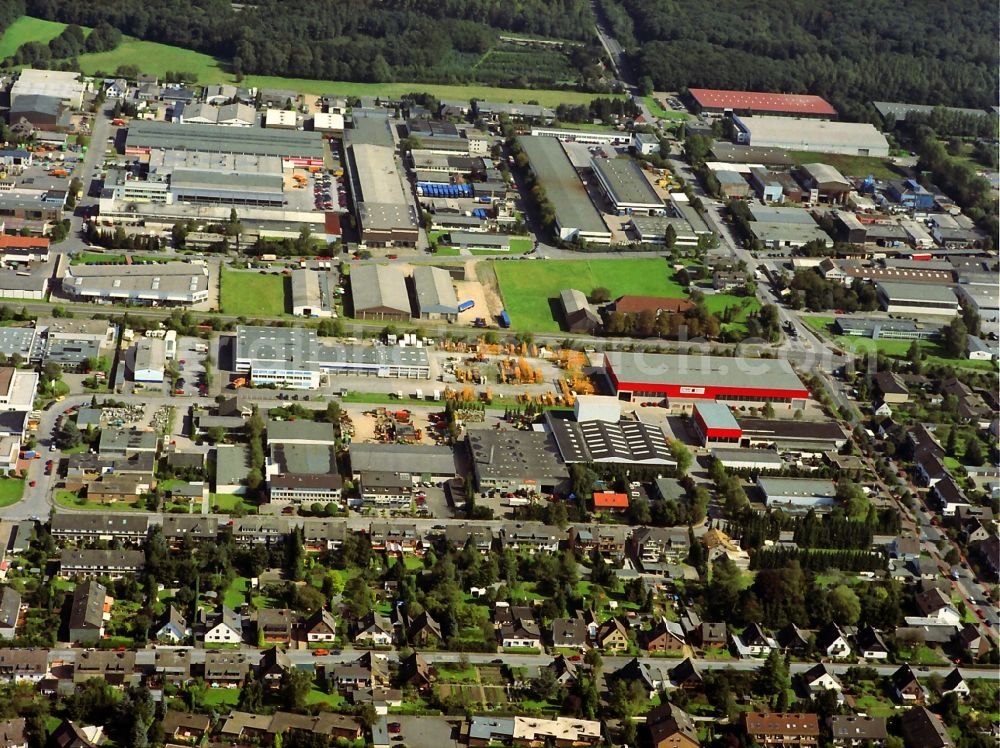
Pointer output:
x,y
296,147
717,101
313,293
917,298
379,292
626,187
640,376
170,283
436,298
820,136
387,218
293,357
576,216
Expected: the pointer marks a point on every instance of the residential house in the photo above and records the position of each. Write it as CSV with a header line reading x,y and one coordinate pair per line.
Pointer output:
x,y
100,563
671,727
521,633
89,609
368,671
753,642
935,604
273,665
711,634
664,636
23,665
275,625
869,644
172,627
72,735
10,612
169,666
923,729
423,631
781,730
793,640
414,671
227,669
613,636
179,527
117,668
564,669
320,627
79,528
855,731
244,728
971,638
686,675
373,630
185,727
13,733
224,627
905,548
818,679
955,683
906,686
636,671
569,633
831,641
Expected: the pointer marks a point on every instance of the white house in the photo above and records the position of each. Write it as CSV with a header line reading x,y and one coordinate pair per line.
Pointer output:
x,y
227,629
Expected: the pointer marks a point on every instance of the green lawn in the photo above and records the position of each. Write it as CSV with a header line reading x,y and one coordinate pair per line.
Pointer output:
x,y
228,502
521,244
27,29
442,251
895,348
849,166
100,258
530,290
11,490
72,501
235,594
252,294
742,307
151,57
333,700
221,697
658,111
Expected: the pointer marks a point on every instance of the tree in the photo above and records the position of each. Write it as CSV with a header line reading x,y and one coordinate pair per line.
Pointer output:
x,y
772,676
953,338
600,294
251,696
545,686
295,687
845,606
332,414
69,435
367,716
215,435
973,451
681,454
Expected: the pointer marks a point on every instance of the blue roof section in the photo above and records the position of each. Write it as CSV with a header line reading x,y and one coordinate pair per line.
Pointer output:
x,y
716,415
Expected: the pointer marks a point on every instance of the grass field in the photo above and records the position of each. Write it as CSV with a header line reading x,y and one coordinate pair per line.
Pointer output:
x,y
151,57
530,290
895,348
849,166
228,502
742,306
252,294
658,111
10,491
70,500
27,29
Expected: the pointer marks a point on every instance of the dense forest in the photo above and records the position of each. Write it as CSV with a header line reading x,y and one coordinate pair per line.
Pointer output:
x,y
415,40
851,52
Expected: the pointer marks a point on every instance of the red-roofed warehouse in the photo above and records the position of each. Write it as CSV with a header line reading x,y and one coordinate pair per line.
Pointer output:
x,y
750,102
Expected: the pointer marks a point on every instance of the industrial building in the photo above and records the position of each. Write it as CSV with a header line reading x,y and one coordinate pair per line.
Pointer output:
x,y
379,292
587,137
518,461
227,115
294,147
435,293
66,86
717,101
150,360
313,293
386,216
823,183
983,299
787,235
849,138
576,217
293,357
885,329
626,187
152,284
917,298
714,424
19,341
578,314
638,376
653,230
798,494
624,442
812,437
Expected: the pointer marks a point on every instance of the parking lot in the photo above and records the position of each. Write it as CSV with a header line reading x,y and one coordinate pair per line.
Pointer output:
x,y
191,353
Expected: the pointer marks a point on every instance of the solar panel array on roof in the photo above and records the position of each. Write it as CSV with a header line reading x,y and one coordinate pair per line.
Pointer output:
x,y
600,441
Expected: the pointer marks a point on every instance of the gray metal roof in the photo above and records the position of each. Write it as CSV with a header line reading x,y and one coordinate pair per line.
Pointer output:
x,y
281,431
625,181
222,139
923,292
624,442
374,286
232,463
435,291
562,185
516,455
403,458
704,371
305,459
797,487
